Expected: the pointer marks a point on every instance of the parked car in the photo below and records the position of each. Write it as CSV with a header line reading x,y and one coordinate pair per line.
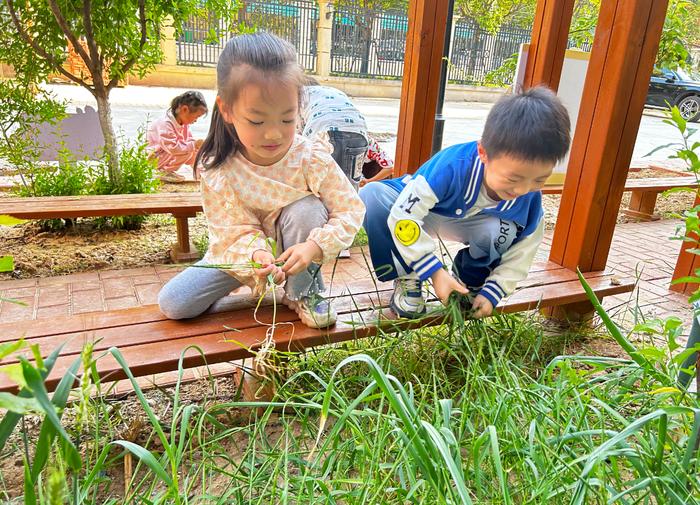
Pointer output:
x,y
677,87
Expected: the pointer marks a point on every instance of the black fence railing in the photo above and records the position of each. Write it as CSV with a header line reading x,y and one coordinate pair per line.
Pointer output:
x,y
203,38
365,42
368,43
476,52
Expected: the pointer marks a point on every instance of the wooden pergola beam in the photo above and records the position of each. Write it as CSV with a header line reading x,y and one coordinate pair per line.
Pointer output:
x,y
624,50
688,262
550,34
427,22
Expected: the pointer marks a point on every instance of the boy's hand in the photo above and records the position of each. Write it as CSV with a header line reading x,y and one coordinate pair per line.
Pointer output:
x,y
267,260
298,257
444,284
481,307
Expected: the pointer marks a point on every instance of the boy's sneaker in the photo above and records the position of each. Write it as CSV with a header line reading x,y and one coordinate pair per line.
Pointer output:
x,y
407,300
314,311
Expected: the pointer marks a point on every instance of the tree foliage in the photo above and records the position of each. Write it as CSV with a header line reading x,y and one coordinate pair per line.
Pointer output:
x,y
492,14
112,39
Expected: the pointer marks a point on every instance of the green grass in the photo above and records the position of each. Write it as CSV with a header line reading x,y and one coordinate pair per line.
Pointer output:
x,y
470,412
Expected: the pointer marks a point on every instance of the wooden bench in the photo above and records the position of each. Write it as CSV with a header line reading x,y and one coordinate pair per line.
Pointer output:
x,y
181,205
153,344
644,193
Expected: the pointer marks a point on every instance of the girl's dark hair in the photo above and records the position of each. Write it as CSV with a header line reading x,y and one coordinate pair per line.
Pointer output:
x,y
533,126
257,58
193,100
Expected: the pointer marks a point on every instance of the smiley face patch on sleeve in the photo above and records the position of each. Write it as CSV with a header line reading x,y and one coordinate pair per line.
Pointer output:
x,y
407,231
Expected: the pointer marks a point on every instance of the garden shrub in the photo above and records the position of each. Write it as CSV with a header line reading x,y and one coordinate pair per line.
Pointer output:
x,y
137,177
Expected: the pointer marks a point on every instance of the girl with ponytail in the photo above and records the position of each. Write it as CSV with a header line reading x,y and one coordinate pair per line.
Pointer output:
x,y
277,204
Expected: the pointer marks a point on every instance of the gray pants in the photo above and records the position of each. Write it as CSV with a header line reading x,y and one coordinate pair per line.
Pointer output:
x,y
349,150
196,289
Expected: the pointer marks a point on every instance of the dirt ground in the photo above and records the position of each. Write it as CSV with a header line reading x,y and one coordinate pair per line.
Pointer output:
x,y
85,247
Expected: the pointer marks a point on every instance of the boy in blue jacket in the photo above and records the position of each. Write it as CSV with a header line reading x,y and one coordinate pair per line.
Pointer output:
x,y
484,194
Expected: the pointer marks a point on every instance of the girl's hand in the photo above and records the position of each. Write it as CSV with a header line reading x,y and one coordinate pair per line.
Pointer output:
x,y
267,262
298,257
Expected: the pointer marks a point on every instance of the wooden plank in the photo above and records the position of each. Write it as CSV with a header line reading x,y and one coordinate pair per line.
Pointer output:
x,y
548,43
125,317
155,357
427,21
652,184
180,204
156,328
624,49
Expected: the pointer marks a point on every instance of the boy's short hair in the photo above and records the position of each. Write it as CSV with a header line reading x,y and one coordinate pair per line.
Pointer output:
x,y
532,125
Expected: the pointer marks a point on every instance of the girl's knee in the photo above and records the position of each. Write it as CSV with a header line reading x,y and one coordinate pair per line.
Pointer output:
x,y
309,210
174,306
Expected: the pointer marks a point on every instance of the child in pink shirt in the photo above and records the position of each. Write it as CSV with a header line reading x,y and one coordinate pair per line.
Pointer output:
x,y
169,138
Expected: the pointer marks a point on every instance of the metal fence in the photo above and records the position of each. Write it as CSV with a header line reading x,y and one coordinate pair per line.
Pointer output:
x,y
476,52
203,38
365,42
368,43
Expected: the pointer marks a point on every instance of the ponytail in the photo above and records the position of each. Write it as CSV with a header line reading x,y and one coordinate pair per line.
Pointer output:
x,y
221,142
193,100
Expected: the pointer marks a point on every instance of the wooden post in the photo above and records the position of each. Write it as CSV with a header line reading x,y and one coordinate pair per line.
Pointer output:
x,y
184,250
427,21
687,262
550,35
624,50
324,38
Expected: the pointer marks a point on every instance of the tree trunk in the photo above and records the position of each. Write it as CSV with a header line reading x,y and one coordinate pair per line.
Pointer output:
x,y
104,112
366,31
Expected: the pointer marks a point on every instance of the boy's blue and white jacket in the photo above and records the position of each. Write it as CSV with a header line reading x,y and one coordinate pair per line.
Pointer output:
x,y
450,185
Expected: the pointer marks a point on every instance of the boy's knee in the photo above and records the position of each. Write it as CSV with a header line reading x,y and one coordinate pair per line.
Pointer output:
x,y
376,198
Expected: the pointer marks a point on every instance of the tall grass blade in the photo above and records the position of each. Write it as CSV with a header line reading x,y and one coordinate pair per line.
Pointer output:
x,y
148,458
48,432
10,420
617,334
36,384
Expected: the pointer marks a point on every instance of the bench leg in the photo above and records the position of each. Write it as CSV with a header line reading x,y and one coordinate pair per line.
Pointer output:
x,y
573,312
254,387
184,250
642,206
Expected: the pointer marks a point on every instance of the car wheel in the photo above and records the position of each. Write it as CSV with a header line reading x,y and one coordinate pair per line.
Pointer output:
x,y
689,108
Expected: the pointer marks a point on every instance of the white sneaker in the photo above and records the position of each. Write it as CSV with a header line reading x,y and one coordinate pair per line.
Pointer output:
x,y
407,300
314,311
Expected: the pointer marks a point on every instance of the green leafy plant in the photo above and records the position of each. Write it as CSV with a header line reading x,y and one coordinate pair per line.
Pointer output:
x,y
23,108
137,176
688,151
